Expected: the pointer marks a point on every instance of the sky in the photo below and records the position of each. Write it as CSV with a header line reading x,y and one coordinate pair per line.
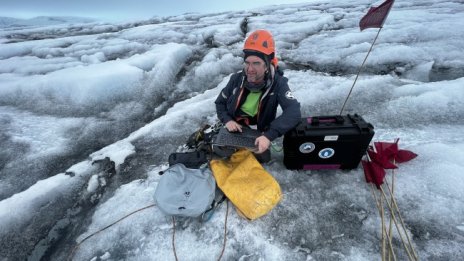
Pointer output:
x,y
126,9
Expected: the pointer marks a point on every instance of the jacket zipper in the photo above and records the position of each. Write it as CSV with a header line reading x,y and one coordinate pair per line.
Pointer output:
x,y
240,94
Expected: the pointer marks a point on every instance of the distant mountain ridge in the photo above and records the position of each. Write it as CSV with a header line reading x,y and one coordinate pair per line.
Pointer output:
x,y
42,21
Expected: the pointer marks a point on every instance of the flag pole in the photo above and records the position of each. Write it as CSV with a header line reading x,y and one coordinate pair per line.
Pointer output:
x,y
359,71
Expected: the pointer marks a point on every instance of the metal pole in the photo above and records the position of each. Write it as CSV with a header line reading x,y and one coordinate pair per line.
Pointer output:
x,y
359,71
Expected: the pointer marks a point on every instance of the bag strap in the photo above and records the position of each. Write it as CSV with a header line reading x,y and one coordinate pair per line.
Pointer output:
x,y
206,216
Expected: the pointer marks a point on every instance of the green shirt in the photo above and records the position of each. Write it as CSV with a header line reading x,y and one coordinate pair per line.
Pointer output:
x,y
250,106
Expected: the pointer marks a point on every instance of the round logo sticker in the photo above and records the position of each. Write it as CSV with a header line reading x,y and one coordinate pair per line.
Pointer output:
x,y
307,147
326,153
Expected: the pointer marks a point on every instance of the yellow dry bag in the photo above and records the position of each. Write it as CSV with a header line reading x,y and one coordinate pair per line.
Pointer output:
x,y
246,184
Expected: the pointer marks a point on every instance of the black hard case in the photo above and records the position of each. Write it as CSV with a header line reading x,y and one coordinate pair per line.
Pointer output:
x,y
327,142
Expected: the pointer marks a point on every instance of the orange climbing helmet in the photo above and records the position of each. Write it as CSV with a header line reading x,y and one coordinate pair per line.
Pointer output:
x,y
261,42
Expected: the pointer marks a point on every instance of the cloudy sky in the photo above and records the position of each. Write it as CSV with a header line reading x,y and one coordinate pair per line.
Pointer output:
x,y
126,9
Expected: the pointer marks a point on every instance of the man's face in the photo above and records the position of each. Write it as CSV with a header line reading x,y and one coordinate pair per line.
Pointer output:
x,y
255,69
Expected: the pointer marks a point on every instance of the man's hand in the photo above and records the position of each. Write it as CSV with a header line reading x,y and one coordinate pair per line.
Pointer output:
x,y
233,126
263,143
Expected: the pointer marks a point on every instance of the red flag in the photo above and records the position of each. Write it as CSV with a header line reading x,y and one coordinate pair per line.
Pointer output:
x,y
387,150
367,171
390,151
381,160
373,172
376,16
405,155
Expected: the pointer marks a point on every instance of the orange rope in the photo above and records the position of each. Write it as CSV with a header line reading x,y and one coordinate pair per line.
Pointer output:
x,y
71,255
225,235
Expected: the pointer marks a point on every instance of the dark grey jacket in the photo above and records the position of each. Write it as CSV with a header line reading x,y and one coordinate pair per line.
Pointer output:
x,y
231,98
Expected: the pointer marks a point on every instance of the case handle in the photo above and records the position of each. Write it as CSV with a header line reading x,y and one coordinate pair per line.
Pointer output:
x,y
338,119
